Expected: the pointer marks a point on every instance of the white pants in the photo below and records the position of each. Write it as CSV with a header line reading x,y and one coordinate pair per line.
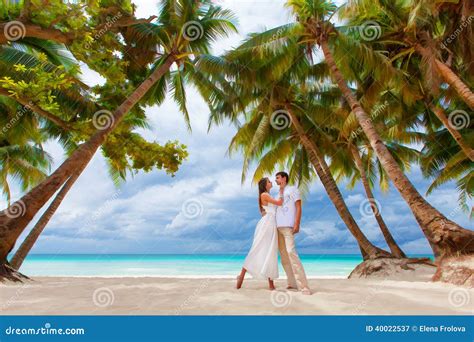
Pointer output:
x,y
290,260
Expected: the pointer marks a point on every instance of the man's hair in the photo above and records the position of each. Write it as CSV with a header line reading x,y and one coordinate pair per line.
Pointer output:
x,y
283,174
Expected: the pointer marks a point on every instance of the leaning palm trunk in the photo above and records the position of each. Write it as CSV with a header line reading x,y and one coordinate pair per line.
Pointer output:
x,y
450,78
369,251
445,236
454,81
26,246
468,151
392,244
11,226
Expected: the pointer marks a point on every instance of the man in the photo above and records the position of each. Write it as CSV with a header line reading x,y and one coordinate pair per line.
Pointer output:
x,y
288,218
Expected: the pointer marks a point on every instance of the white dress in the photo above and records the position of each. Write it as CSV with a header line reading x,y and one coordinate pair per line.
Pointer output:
x,y
262,259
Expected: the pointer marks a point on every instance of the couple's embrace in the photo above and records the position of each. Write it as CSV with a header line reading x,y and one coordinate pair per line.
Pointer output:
x,y
275,231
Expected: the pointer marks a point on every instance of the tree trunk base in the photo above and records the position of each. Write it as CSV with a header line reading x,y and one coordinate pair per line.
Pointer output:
x,y
395,269
457,270
8,273
379,254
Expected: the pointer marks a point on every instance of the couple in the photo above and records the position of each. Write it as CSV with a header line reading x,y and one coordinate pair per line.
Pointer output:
x,y
275,231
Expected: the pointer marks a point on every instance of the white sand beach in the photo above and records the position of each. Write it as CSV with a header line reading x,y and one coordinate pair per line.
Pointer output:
x,y
210,296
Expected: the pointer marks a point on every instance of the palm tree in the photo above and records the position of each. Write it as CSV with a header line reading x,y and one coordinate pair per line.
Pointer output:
x,y
414,26
394,248
17,260
323,171
398,129
424,27
441,115
443,161
403,112
185,29
29,163
313,28
259,95
350,162
22,157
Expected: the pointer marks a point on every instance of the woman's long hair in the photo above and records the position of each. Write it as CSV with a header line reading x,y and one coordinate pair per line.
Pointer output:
x,y
262,187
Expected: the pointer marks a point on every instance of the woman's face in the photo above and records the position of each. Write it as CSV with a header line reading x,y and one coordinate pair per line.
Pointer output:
x,y
269,185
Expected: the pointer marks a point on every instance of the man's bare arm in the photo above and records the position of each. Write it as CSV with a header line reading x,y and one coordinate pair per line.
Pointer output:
x,y
296,227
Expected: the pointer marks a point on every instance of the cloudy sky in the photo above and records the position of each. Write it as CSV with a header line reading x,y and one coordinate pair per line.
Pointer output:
x,y
205,208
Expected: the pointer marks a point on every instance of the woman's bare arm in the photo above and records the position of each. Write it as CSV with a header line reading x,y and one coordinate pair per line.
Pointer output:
x,y
266,198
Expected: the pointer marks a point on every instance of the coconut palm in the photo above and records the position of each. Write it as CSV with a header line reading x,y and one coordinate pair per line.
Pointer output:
x,y
424,27
17,260
185,29
350,162
356,159
443,161
408,116
314,29
26,164
266,100
22,157
23,117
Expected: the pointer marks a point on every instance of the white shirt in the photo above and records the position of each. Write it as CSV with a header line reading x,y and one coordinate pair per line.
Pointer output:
x,y
285,214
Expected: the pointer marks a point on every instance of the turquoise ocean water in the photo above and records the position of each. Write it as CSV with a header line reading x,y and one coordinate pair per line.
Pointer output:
x,y
138,265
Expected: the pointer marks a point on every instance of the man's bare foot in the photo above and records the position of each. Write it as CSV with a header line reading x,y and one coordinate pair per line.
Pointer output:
x,y
306,291
240,280
289,287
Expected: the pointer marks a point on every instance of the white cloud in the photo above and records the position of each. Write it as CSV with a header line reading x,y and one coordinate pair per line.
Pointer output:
x,y
318,233
353,200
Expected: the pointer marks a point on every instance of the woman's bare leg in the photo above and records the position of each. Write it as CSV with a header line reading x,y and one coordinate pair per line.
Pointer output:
x,y
270,284
240,278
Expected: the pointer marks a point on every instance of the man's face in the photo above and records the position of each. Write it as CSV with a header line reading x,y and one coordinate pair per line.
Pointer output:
x,y
280,180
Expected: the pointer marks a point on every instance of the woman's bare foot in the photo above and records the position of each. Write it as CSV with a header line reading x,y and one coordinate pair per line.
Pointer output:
x,y
240,280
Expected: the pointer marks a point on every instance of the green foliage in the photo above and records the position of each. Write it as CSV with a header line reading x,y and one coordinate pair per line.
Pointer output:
x,y
281,66
38,83
124,50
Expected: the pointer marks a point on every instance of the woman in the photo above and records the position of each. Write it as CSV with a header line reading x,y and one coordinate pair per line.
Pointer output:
x,y
262,259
